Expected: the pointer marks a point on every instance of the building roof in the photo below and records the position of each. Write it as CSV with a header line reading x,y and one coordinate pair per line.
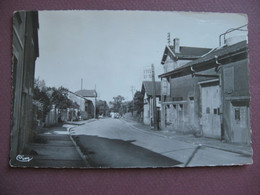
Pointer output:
x,y
209,60
186,53
78,95
87,93
147,87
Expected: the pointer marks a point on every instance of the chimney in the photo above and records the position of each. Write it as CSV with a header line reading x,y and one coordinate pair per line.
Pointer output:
x,y
176,45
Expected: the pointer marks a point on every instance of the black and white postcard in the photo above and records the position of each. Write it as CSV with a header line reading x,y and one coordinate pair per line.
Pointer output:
x,y
130,89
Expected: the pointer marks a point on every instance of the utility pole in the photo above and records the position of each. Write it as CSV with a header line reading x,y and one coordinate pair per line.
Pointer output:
x,y
95,108
164,89
154,101
81,84
132,89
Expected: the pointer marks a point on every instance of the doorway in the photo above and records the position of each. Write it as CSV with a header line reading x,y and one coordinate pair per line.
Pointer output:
x,y
211,121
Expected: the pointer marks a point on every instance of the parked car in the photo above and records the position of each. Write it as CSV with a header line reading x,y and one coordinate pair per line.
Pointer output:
x,y
117,115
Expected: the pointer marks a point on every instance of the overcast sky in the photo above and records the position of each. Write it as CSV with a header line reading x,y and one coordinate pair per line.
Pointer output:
x,y
110,49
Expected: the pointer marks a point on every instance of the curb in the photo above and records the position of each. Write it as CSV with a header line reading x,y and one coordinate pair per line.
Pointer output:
x,y
83,156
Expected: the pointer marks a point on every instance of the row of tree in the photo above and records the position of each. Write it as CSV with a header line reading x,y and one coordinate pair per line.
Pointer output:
x,y
50,96
120,106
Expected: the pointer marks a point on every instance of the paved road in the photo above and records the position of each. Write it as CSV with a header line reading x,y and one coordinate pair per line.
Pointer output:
x,y
116,143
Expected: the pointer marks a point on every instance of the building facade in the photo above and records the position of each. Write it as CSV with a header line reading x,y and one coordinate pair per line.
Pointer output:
x,y
90,104
85,110
209,96
174,57
25,52
77,99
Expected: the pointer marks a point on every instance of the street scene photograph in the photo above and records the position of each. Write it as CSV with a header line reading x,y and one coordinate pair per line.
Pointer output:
x,y
130,89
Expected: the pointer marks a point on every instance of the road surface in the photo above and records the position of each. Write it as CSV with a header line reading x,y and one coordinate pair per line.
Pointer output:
x,y
116,143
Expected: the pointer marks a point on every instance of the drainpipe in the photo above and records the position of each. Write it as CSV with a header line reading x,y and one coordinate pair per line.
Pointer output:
x,y
221,83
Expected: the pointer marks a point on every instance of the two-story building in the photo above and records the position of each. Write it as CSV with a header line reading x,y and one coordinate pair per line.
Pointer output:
x,y
174,57
90,106
209,96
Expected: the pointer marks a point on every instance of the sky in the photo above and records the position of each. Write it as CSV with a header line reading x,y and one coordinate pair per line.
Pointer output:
x,y
109,50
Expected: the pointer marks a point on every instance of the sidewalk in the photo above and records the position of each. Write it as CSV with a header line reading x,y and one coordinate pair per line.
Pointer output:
x,y
190,138
80,122
53,149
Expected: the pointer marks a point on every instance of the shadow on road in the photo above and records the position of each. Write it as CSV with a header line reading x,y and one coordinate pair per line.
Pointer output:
x,y
115,153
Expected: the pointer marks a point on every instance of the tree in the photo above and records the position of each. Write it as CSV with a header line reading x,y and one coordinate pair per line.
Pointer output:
x,y
117,104
129,106
102,107
138,102
59,97
39,94
40,84
49,96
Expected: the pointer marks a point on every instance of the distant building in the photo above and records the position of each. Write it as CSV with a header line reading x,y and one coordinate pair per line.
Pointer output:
x,y
25,52
147,91
90,95
85,110
77,99
209,96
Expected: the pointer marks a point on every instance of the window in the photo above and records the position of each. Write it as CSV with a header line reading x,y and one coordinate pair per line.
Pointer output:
x,y
237,114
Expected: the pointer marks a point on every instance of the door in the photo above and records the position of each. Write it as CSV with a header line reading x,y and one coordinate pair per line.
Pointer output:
x,y
240,123
191,112
180,117
175,116
169,113
211,123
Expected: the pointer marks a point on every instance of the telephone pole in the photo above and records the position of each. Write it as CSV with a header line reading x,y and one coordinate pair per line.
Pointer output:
x,y
132,89
81,87
155,121
95,107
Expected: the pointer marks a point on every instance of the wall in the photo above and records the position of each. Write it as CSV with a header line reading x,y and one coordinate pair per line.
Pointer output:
x,y
79,100
184,102
184,107
237,99
146,112
25,52
171,64
51,118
